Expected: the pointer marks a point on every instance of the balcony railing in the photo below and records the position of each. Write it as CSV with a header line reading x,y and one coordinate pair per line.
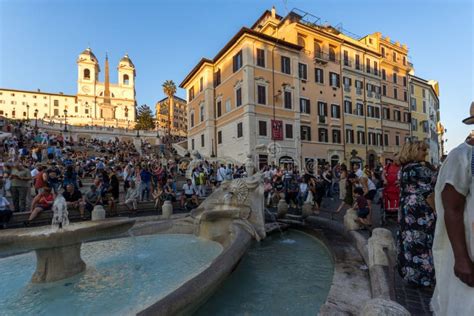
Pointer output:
x,y
324,58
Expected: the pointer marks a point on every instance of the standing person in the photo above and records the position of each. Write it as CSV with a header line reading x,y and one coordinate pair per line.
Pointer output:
x,y
220,174
453,247
417,218
20,185
391,189
342,182
145,184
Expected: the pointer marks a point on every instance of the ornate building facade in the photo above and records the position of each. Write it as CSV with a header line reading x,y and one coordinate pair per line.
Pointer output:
x,y
292,90
96,103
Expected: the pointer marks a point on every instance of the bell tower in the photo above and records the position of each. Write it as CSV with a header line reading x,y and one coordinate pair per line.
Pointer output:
x,y
126,85
87,73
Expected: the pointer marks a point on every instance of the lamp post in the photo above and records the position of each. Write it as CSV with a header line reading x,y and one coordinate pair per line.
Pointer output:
x,y
27,111
65,120
138,133
36,118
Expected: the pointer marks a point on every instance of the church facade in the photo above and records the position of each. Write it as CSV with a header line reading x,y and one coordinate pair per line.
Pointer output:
x,y
96,103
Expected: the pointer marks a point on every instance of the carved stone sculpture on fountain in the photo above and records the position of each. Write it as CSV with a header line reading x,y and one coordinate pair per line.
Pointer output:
x,y
250,165
197,160
60,213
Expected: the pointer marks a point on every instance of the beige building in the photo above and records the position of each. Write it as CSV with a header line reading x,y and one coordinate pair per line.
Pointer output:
x,y
96,103
291,90
179,116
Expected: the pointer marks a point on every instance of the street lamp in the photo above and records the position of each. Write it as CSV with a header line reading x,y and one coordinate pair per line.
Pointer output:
x,y
138,133
27,111
36,118
65,120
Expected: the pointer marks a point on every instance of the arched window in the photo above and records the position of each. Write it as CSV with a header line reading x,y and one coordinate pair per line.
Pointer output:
x,y
87,74
332,54
318,52
301,41
126,80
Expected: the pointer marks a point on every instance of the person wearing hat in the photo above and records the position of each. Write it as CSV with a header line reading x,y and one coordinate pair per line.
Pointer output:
x,y
453,247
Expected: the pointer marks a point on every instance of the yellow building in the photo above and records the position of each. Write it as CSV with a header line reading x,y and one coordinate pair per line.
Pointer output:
x,y
424,106
291,90
96,103
179,117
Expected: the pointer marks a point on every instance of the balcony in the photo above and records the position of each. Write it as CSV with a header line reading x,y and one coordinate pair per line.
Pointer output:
x,y
347,88
322,119
324,58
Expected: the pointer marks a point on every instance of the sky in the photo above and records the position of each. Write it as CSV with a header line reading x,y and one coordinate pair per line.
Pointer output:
x,y
41,39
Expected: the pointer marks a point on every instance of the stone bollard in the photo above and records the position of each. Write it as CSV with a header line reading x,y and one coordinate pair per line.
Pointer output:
x,y
381,238
282,208
381,307
98,213
349,220
307,209
167,209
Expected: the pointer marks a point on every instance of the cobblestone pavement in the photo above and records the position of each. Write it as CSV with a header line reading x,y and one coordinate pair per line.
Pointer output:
x,y
415,300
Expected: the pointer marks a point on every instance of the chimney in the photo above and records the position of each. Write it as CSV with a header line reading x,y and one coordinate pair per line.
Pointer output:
x,y
273,12
39,90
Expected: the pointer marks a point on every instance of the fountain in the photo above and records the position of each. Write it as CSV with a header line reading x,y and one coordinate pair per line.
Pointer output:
x,y
58,249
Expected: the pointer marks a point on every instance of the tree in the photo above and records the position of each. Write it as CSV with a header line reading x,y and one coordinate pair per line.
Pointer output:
x,y
169,88
145,120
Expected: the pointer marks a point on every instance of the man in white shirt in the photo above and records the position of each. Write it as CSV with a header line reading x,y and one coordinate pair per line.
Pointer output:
x,y
220,174
189,192
453,246
132,196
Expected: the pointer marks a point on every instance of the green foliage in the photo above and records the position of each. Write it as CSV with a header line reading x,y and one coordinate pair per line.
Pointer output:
x,y
169,88
145,120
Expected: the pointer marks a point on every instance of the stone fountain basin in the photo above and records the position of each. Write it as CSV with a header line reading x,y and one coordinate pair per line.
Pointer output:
x,y
25,239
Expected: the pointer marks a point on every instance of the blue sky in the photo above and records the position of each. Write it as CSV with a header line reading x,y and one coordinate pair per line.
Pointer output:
x,y
40,40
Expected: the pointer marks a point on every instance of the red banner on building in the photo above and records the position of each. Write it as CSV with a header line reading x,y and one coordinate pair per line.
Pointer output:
x,y
277,130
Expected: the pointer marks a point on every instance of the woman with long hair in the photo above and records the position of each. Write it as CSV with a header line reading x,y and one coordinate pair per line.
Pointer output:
x,y
416,218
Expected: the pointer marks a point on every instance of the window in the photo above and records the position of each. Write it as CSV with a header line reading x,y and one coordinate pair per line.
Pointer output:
x,y
318,53
260,57
347,107
359,86
347,83
202,140
238,97
305,132
394,77
334,79
346,58
414,124
332,54
397,115
76,109
386,140
335,111
383,52
384,74
201,84
219,108
323,135
285,65
386,113
405,97
397,140
261,94
424,93
192,144
336,136
56,102
349,136
219,137
384,90
404,81
305,106
237,61
217,78
376,68
370,111
406,117
87,74
394,56
287,100
240,130
301,41
395,93
227,106
191,93
192,119
357,62
322,109
262,128
361,138
404,60
201,113
360,109
288,131
425,127
126,79
424,106
319,75
302,71
367,65
55,112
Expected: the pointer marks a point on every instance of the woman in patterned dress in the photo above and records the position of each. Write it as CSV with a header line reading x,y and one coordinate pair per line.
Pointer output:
x,y
417,220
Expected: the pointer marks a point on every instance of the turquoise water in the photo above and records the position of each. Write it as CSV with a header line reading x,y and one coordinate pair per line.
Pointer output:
x,y
289,275
123,276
